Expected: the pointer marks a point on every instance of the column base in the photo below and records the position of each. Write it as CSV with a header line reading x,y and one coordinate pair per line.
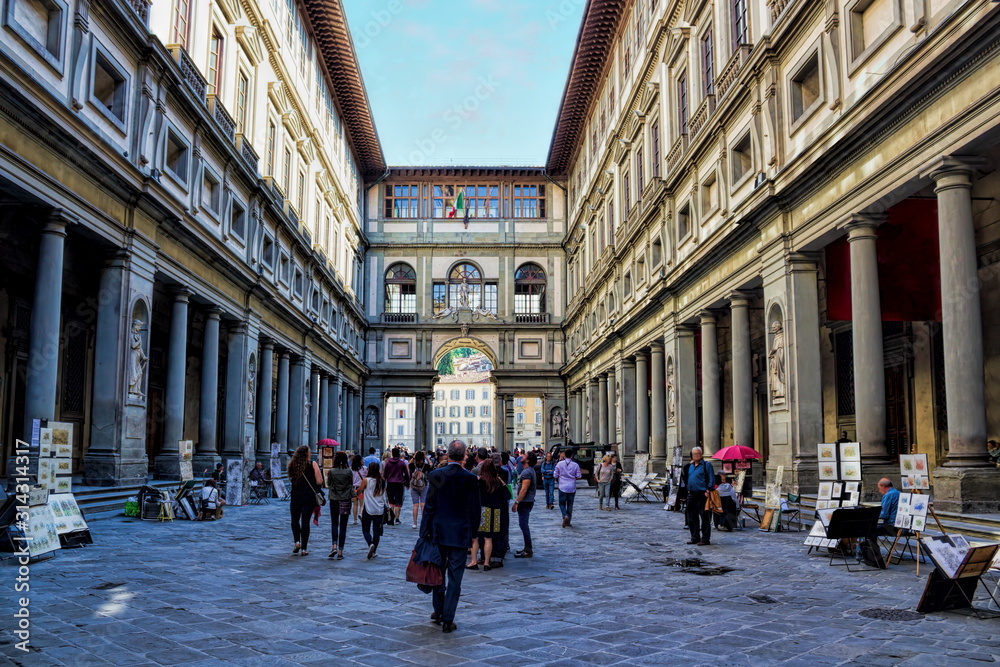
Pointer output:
x,y
966,490
202,462
658,465
167,466
109,469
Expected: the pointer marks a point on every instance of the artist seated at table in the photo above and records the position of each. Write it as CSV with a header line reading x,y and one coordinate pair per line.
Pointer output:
x,y
211,503
257,475
730,506
890,503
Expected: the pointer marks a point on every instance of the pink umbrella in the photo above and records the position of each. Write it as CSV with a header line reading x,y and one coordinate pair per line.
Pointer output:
x,y
327,442
736,453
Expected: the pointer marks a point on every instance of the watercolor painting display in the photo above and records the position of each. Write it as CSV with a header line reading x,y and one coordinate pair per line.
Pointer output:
x,y
914,471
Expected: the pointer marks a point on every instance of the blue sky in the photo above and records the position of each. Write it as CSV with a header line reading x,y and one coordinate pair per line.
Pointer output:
x,y
464,81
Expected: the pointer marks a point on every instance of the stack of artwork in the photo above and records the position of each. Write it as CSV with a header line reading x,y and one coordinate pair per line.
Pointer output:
x,y
55,457
185,449
68,517
911,513
41,534
839,475
676,469
817,537
914,472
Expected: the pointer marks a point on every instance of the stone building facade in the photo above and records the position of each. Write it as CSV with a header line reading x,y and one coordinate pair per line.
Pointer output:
x,y
182,186
761,199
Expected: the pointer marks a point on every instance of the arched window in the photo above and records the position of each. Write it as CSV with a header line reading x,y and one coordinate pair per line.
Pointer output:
x,y
529,290
400,289
465,286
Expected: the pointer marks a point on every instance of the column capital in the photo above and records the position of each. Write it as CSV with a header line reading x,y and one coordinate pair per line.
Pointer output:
x,y
57,221
739,299
706,317
593,380
656,347
641,354
213,313
283,353
267,344
116,258
961,168
861,226
181,294
802,261
686,331
628,362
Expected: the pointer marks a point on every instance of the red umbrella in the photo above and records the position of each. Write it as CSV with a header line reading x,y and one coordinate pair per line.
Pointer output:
x,y
736,453
327,442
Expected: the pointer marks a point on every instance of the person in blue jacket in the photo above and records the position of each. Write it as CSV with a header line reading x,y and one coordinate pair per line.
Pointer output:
x,y
698,479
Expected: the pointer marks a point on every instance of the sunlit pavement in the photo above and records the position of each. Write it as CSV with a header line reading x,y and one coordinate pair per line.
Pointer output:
x,y
603,592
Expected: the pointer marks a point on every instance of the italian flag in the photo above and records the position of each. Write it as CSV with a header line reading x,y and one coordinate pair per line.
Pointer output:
x,y
459,204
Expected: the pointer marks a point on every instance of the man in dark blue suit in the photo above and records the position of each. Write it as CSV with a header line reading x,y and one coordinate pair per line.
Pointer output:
x,y
451,520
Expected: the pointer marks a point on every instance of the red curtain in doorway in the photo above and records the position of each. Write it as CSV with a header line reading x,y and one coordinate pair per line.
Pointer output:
x,y
909,272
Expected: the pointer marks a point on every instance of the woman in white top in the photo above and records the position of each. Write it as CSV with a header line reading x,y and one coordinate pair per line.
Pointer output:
x,y
357,466
373,491
210,501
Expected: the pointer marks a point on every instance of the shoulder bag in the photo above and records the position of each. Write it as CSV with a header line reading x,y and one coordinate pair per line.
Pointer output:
x,y
320,498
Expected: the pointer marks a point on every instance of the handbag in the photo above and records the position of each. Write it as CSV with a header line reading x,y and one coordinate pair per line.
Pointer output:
x,y
713,501
320,498
425,573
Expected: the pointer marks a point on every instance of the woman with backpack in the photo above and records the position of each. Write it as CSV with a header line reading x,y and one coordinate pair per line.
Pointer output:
x,y
418,484
375,506
493,499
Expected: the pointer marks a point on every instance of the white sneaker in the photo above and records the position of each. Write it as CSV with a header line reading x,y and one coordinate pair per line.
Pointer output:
x,y
414,526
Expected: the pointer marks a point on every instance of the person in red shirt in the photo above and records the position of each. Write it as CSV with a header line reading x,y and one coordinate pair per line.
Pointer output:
x,y
397,478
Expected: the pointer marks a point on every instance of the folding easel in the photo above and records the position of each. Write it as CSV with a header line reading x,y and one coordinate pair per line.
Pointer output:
x,y
918,534
943,593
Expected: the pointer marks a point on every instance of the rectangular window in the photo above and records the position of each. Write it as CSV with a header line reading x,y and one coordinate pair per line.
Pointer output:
x,y
242,98
283,268
297,283
707,63
739,23
470,394
302,193
182,16
286,181
439,395
401,297
468,428
470,410
267,252
529,201
486,397
639,173
520,402
439,428
108,87
611,221
455,394
210,191
401,201
238,221
438,411
484,410
626,192
682,103
518,417
741,158
454,411
654,145
399,430
40,24
440,297
272,138
490,297
683,222
805,88
176,157
538,417
215,62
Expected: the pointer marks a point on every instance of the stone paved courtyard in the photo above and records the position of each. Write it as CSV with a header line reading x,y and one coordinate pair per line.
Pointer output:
x,y
601,593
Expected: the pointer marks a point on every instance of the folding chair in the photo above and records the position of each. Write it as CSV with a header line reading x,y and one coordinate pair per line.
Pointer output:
x,y
791,511
642,488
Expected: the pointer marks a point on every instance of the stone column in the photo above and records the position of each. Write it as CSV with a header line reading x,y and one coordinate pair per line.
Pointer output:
x,y
324,408
613,426
508,402
336,398
168,463
742,370
314,407
686,381
602,409
105,436
711,404
593,412
642,401
281,402
296,404
961,316
628,397
207,449
352,421
265,384
428,424
236,415
658,409
46,314
866,313
501,422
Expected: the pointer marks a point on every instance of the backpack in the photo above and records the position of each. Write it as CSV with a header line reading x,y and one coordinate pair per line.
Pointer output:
x,y
418,481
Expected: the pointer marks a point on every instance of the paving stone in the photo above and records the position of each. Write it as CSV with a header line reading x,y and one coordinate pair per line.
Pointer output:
x,y
258,605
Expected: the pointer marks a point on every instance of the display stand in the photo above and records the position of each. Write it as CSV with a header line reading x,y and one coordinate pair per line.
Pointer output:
x,y
955,593
918,533
852,523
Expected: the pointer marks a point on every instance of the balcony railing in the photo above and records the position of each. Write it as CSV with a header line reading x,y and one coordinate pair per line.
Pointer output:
x,y
674,156
776,7
141,8
728,74
705,110
221,116
248,153
192,77
399,318
531,318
